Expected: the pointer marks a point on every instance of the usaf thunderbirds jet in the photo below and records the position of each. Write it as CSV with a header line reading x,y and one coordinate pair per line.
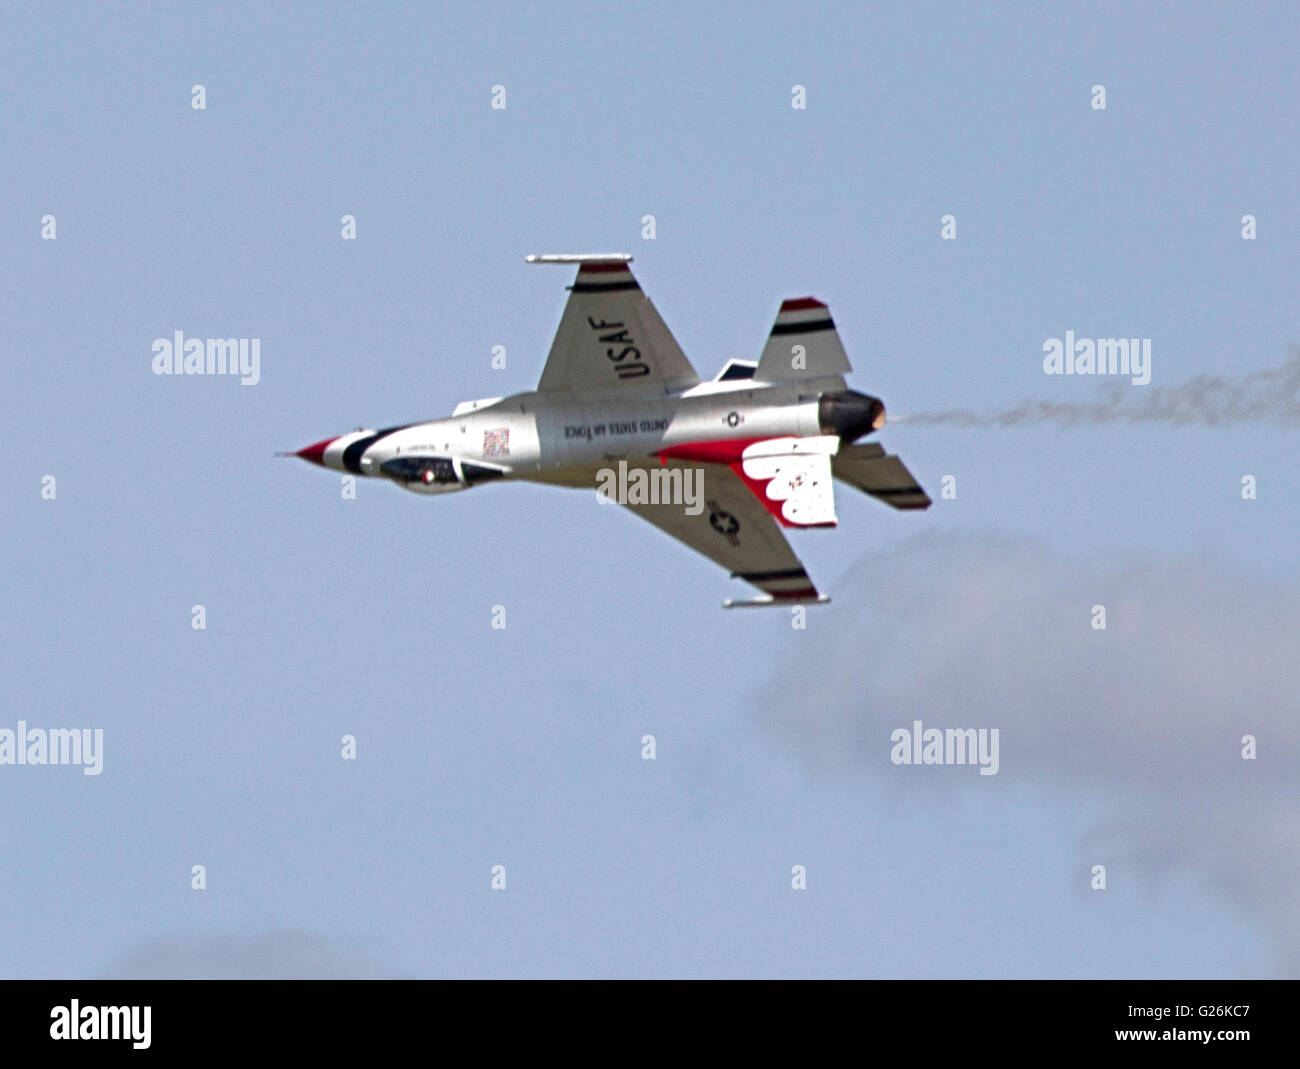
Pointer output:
x,y
618,392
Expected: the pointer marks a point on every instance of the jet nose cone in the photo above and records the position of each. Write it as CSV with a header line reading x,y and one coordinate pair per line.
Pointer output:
x,y
316,452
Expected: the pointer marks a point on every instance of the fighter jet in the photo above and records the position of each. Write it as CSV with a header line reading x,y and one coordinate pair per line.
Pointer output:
x,y
620,409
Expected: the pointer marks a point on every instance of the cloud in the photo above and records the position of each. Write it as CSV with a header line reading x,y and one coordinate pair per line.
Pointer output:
x,y
276,955
958,632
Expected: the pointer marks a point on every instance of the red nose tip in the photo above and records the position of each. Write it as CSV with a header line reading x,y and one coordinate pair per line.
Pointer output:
x,y
316,453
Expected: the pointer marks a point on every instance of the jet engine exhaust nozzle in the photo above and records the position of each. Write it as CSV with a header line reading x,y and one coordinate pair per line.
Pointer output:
x,y
849,415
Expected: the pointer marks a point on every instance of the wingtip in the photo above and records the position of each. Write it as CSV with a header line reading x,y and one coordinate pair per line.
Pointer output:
x,y
578,258
764,602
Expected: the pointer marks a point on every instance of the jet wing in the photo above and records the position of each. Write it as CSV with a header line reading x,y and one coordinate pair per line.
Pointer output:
x,y
735,530
883,477
611,338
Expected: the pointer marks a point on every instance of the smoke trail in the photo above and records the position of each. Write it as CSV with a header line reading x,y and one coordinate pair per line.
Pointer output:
x,y
1266,396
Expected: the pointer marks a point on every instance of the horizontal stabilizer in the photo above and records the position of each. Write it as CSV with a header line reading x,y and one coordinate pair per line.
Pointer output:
x,y
882,476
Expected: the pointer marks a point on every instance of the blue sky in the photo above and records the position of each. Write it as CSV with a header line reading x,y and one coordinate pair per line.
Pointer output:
x,y
521,747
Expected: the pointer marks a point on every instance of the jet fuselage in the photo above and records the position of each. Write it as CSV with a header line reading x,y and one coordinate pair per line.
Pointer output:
x,y
550,439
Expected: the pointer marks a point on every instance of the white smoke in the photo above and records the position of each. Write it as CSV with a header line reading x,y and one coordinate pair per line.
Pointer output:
x,y
1271,395
1150,711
